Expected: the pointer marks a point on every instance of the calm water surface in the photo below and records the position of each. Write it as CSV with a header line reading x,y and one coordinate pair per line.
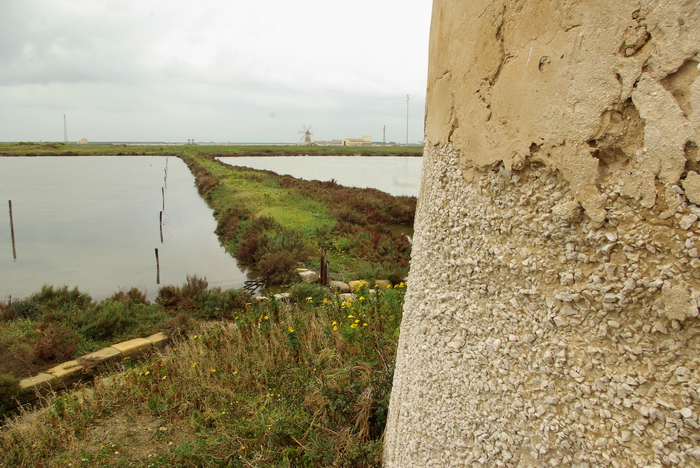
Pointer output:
x,y
93,222
392,174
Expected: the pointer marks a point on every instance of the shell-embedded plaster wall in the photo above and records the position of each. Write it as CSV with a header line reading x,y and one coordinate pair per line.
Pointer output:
x,y
552,311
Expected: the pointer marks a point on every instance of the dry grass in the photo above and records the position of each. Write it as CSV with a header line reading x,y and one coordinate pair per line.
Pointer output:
x,y
278,385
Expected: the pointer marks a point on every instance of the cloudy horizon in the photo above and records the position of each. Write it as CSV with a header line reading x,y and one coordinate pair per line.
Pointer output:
x,y
150,70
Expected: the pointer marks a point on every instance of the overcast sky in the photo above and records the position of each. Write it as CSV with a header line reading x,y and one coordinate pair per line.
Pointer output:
x,y
212,70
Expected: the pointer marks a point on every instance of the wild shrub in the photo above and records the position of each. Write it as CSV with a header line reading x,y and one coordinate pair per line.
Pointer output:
x,y
206,183
9,391
55,298
274,250
278,267
55,343
23,309
109,319
198,300
189,296
229,222
18,357
249,245
309,293
131,297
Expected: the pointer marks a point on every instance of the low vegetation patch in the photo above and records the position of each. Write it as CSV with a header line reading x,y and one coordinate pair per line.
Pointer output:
x,y
57,324
275,222
305,383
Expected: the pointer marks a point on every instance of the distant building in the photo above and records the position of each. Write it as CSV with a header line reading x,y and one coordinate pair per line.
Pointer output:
x,y
82,141
366,140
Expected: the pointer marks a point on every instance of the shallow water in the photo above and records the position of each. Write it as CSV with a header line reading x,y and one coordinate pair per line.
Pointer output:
x,y
397,175
93,222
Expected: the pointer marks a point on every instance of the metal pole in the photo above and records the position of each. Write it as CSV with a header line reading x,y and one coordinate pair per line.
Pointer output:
x,y
407,99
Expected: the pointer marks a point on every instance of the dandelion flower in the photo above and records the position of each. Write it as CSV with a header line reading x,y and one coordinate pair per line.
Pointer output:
x,y
335,328
195,336
194,364
291,330
266,317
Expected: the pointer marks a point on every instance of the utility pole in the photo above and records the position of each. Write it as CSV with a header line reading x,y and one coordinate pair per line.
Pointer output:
x,y
65,130
407,99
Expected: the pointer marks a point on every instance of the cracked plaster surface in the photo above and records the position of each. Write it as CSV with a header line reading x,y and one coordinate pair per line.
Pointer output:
x,y
557,82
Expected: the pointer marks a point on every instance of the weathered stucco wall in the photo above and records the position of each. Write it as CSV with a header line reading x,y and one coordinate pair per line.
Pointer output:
x,y
552,312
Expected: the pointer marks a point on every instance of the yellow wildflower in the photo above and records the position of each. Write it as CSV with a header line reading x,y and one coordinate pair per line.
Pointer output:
x,y
291,330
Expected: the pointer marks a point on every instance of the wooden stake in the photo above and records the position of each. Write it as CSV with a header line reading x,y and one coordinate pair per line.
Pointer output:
x,y
324,268
161,227
12,231
157,268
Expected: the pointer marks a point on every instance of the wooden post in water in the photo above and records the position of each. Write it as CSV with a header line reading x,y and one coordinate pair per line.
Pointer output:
x,y
12,231
161,227
157,268
162,191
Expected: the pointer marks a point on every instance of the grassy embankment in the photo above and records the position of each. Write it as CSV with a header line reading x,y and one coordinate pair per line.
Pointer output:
x,y
249,384
60,149
274,222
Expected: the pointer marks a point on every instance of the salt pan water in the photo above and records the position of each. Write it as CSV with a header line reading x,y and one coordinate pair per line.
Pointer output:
x,y
93,222
396,175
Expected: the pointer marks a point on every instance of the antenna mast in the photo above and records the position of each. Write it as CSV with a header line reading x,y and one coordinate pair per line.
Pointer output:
x,y
65,130
407,99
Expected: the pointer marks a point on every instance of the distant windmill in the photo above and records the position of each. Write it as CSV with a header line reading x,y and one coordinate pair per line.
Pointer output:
x,y
306,132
